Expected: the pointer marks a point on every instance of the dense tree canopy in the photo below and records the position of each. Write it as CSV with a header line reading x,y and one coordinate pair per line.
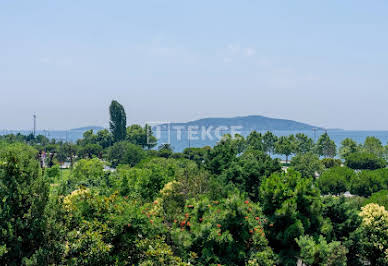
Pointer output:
x,y
294,208
112,198
336,180
325,146
363,160
23,197
285,146
118,121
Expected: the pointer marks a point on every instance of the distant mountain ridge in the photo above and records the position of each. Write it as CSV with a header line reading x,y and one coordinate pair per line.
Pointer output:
x,y
251,122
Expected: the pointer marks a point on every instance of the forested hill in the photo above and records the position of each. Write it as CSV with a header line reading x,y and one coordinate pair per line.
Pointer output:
x,y
252,122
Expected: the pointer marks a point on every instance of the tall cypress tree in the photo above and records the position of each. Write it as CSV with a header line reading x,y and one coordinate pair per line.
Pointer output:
x,y
118,121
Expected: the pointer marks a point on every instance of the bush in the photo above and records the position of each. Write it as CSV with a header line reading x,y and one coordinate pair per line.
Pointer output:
x,y
88,173
335,180
125,153
103,230
367,182
380,198
384,175
363,160
320,252
331,162
53,172
23,198
373,234
146,179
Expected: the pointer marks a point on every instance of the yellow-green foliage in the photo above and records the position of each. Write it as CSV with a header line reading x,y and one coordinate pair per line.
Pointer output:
x,y
374,234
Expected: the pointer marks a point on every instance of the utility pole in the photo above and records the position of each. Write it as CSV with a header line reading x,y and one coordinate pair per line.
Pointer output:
x,y
34,125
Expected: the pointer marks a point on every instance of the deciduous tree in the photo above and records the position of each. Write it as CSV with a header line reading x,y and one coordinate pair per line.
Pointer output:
x,y
118,121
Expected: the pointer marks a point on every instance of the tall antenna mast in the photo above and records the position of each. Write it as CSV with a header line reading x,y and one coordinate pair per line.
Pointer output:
x,y
34,125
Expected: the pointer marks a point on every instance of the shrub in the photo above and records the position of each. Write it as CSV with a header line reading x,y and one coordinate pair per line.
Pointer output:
x,y
320,252
104,230
331,162
125,153
363,160
373,234
88,173
23,197
367,182
335,180
380,198
53,172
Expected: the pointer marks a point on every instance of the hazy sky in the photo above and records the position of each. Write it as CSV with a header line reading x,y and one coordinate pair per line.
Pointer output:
x,y
320,62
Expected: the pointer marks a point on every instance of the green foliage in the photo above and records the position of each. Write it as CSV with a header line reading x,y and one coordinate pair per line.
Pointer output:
x,y
380,198
165,150
373,234
307,164
342,217
164,208
141,136
335,180
249,170
319,252
197,155
326,146
118,121
331,162
374,146
67,151
269,140
104,138
303,143
225,232
255,141
348,146
53,172
105,230
146,179
88,173
294,208
23,196
157,252
224,153
125,153
285,146
363,160
90,151
367,182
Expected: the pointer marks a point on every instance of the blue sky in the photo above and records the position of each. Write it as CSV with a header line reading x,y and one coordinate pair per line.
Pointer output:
x,y
320,62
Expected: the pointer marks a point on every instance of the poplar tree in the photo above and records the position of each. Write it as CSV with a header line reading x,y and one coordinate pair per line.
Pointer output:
x,y
118,121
